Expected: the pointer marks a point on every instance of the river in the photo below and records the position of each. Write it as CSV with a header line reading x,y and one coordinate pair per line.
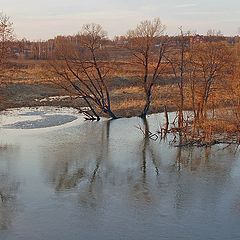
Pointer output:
x,y
65,178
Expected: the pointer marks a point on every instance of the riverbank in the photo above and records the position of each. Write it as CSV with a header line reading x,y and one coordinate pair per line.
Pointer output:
x,y
28,86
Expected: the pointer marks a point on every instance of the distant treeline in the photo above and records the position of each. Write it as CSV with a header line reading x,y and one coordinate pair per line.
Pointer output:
x,y
43,50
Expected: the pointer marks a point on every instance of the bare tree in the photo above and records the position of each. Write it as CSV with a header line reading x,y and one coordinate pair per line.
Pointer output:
x,y
178,59
213,32
83,64
6,38
148,46
213,62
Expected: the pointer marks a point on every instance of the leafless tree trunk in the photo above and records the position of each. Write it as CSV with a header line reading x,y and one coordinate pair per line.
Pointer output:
x,y
6,38
148,46
213,62
86,70
178,59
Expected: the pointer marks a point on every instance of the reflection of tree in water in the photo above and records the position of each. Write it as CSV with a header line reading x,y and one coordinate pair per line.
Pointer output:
x,y
190,158
91,170
8,205
78,165
8,191
210,163
96,166
197,158
141,189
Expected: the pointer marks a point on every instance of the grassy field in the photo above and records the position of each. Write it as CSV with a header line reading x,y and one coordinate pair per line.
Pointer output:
x,y
27,85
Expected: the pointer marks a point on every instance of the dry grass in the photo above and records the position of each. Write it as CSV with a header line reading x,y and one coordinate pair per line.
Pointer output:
x,y
128,90
128,104
216,126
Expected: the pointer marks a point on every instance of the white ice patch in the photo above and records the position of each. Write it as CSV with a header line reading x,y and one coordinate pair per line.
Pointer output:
x,y
38,118
55,98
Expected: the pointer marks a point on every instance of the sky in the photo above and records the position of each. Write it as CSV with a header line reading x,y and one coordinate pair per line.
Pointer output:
x,y
44,19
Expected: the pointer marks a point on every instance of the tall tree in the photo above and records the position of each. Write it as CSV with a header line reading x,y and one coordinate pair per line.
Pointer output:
x,y
213,62
83,64
148,46
6,38
178,59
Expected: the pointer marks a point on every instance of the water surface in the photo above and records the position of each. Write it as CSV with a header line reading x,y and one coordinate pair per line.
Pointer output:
x,y
104,180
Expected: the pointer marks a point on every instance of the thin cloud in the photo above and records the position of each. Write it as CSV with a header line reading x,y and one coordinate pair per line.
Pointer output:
x,y
186,5
201,13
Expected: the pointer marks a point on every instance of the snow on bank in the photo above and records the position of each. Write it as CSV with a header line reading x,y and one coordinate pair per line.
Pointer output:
x,y
39,118
55,98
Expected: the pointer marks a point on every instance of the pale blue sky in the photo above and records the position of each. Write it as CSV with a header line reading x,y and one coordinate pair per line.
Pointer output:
x,y
44,19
